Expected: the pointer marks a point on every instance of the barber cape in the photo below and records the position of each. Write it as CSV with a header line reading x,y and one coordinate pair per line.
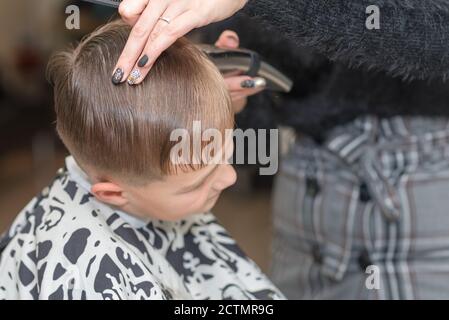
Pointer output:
x,y
67,245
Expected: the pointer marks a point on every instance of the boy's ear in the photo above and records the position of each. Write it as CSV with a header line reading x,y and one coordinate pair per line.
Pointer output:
x,y
110,193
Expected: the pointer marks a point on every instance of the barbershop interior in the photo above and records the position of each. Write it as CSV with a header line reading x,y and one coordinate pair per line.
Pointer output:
x,y
355,207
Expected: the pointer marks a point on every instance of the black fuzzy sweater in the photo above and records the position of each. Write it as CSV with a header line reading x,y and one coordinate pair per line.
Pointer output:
x,y
400,69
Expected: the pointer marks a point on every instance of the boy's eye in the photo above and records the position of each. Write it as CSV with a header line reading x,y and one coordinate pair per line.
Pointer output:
x,y
197,186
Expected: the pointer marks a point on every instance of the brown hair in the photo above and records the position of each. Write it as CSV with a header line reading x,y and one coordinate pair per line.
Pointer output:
x,y
124,131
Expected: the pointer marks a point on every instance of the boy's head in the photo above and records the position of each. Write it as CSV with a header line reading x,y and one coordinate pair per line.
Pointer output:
x,y
120,135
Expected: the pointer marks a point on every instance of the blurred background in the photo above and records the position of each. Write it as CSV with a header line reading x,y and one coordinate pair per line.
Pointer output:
x,y
30,152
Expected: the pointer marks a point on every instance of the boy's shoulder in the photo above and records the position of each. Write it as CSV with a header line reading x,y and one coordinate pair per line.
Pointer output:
x,y
68,245
60,207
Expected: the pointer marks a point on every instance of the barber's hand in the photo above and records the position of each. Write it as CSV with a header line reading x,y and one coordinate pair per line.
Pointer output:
x,y
240,87
157,24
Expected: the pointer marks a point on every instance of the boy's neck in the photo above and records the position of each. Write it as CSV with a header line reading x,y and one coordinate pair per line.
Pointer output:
x,y
77,174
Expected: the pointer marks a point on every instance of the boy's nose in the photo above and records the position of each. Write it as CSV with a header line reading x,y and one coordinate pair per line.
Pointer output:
x,y
227,178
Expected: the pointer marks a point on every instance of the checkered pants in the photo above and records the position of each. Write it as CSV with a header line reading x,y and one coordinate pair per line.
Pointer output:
x,y
375,193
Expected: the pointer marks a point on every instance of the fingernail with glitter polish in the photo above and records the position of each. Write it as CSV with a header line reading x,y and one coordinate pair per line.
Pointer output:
x,y
247,83
117,76
135,74
143,61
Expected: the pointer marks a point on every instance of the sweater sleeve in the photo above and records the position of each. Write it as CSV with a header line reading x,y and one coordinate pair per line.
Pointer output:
x,y
412,42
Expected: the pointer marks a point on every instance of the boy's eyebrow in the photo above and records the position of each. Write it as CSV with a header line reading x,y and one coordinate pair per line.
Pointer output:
x,y
197,184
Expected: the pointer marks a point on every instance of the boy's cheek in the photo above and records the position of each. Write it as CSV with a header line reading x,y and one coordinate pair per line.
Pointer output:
x,y
191,205
176,208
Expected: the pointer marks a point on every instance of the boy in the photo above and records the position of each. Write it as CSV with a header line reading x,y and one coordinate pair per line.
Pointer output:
x,y
122,220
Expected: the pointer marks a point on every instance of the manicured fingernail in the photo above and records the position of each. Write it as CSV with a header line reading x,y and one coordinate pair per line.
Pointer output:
x,y
259,82
117,76
135,74
248,83
143,61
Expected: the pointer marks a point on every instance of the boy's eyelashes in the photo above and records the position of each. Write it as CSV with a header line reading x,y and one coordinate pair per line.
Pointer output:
x,y
190,189
199,184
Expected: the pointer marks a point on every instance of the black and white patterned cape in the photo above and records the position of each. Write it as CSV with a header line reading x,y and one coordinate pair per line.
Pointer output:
x,y
67,245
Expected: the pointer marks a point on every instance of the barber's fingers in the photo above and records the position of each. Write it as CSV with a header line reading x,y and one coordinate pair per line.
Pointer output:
x,y
177,28
238,104
240,94
138,38
130,10
236,96
143,63
228,39
172,12
198,13
245,85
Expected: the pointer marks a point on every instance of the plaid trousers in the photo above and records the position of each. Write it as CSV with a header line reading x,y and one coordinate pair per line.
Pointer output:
x,y
375,193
